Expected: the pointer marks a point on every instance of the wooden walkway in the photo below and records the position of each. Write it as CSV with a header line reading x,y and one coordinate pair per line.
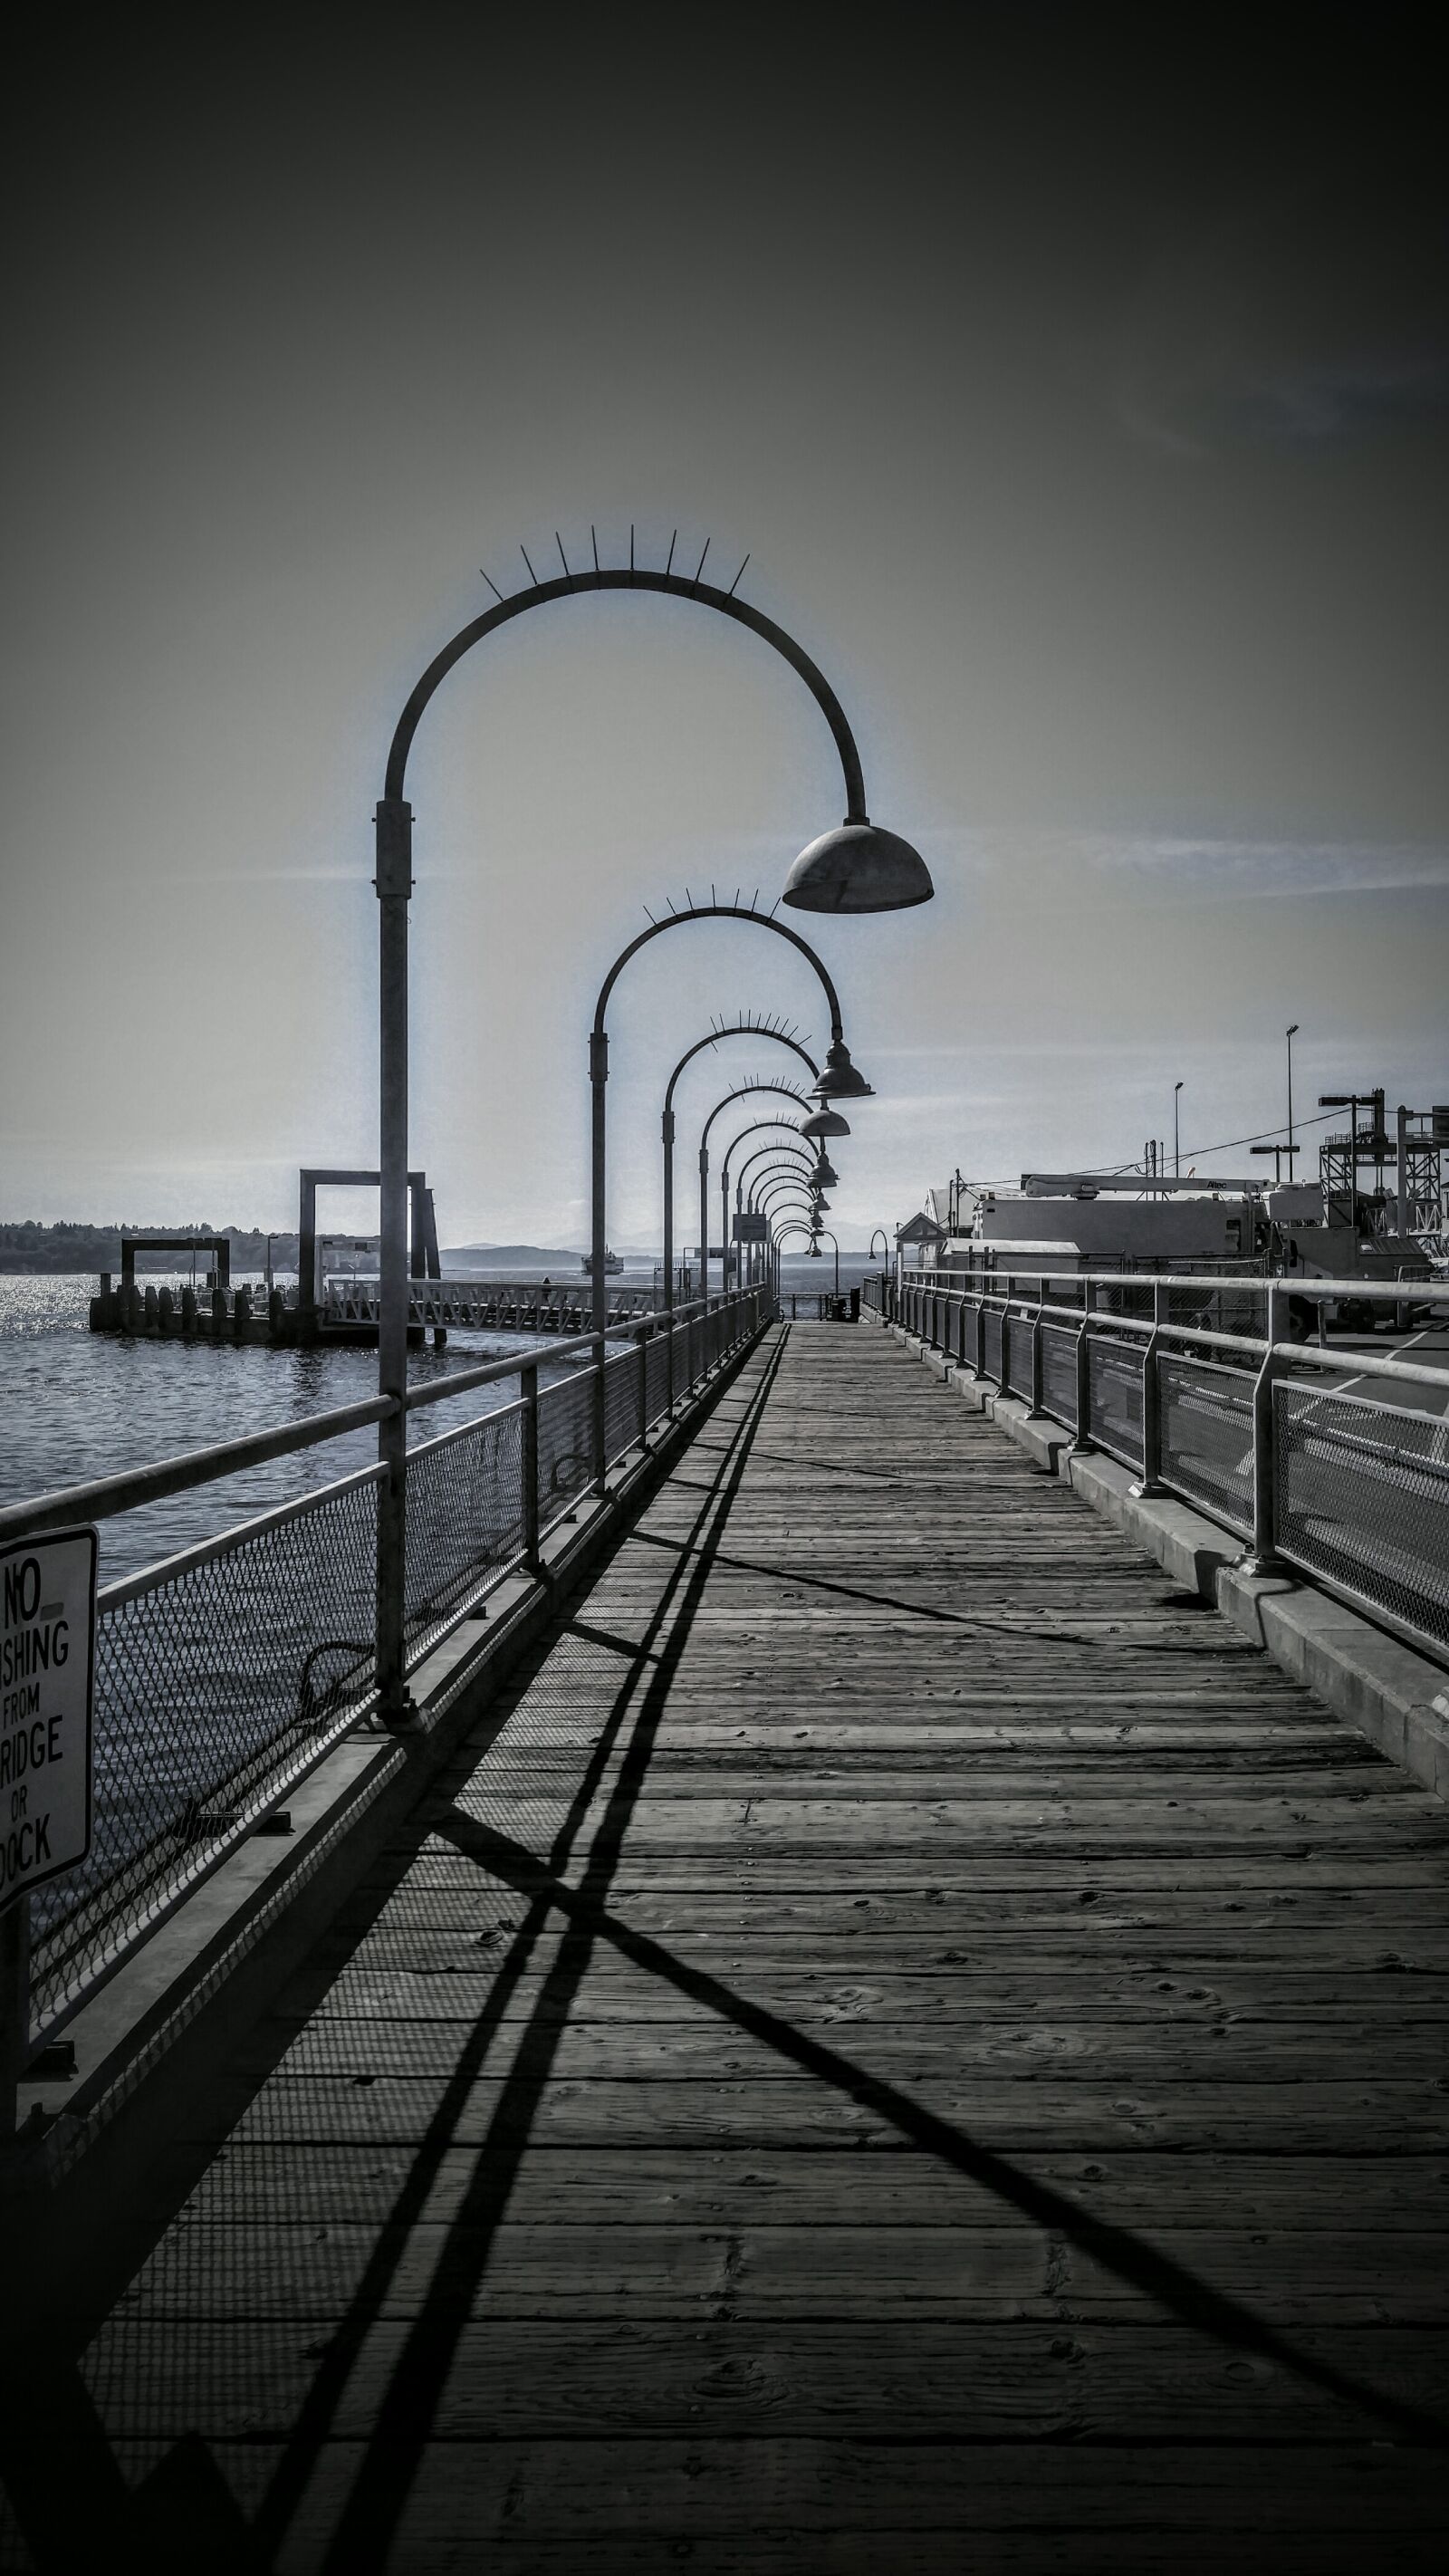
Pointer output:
x,y
904,2046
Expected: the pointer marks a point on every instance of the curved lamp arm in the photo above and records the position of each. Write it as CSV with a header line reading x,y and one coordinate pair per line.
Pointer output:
x,y
788,1167
673,585
720,912
758,1156
769,1191
777,1037
787,1124
785,1091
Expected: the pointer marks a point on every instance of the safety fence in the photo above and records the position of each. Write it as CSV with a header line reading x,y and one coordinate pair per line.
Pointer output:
x,y
224,1673
1335,1463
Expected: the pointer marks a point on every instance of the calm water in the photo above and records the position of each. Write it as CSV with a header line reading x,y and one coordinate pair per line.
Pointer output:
x,y
76,1404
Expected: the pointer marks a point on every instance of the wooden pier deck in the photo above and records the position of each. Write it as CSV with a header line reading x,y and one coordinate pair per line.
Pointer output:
x,y
904,2045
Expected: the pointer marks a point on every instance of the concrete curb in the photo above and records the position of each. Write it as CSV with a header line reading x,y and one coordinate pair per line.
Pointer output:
x,y
1397,1698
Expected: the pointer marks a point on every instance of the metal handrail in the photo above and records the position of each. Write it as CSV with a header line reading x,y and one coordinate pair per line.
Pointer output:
x,y
1142,1327
103,1497
927,1301
1327,1291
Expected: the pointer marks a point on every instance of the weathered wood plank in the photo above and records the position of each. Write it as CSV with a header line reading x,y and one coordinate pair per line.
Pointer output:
x,y
998,2118
837,2379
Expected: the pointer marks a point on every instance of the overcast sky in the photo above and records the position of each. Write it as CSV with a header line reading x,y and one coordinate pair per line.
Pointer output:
x,y
1081,403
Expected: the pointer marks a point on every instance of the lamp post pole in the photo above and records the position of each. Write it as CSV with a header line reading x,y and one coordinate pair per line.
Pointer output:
x,y
1289,1036
394,883
1176,1148
857,868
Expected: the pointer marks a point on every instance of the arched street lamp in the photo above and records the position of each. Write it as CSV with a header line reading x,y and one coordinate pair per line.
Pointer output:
x,y
785,1191
787,1128
828,1237
822,1175
777,1037
855,868
885,1246
745,1189
837,1077
791,1225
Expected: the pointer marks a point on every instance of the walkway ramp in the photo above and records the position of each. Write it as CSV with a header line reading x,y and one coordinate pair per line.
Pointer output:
x,y
904,2045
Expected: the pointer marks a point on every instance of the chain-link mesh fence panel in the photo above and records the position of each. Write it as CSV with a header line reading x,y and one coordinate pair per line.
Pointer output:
x,y
621,1404
1206,1445
656,1380
1115,1376
214,1687
1231,1306
1362,1500
464,1521
993,1344
1133,1298
1019,1332
1059,1373
565,1445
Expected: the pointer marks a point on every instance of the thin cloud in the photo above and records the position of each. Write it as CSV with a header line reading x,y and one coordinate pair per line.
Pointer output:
x,y
1163,866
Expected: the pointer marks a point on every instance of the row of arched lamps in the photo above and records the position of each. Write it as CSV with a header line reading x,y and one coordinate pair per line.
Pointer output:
x,y
856,867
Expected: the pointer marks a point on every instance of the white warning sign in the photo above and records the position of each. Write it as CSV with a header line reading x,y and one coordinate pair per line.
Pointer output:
x,y
47,1664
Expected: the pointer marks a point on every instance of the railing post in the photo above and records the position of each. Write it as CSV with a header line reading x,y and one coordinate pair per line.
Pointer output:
x,y
14,2009
1262,1557
600,1460
1082,1441
528,1388
1037,1406
1150,1480
641,1351
979,1360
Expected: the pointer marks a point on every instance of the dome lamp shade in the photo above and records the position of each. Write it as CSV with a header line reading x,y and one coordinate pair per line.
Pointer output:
x,y
858,868
824,1122
839,1078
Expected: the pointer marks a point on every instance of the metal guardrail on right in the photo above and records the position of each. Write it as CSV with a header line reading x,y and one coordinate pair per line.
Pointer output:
x,y
1196,1386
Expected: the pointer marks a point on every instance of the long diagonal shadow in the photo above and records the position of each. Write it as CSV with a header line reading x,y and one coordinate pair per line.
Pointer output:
x,y
365,2529
1132,2257
1029,1633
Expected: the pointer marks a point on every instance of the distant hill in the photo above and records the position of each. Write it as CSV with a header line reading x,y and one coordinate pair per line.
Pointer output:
x,y
34,1248
468,1255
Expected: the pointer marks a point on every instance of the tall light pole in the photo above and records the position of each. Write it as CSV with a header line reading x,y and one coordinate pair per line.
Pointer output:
x,y
1176,1147
885,1246
1290,1035
855,868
